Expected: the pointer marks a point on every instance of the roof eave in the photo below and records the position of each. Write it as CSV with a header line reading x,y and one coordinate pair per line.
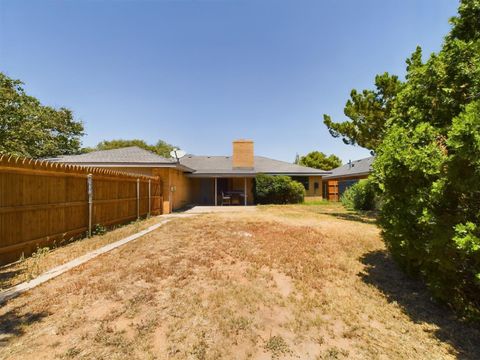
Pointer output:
x,y
250,174
220,175
347,175
120,164
294,173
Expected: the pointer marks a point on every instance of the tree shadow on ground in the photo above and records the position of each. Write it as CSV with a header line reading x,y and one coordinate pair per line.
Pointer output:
x,y
412,295
6,277
14,323
358,217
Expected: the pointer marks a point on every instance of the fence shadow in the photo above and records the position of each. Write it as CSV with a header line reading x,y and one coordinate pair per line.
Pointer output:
x,y
412,295
13,323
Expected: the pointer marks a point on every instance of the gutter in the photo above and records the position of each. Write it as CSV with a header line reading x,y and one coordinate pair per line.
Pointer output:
x,y
347,175
295,173
249,174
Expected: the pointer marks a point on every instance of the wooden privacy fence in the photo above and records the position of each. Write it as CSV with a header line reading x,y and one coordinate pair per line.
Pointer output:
x,y
45,202
332,188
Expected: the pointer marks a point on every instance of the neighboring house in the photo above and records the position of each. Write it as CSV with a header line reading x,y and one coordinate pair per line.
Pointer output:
x,y
344,176
203,180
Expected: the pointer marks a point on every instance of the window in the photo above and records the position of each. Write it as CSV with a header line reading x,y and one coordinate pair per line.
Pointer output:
x,y
344,185
303,180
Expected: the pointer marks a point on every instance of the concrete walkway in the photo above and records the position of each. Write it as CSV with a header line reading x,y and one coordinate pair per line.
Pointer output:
x,y
56,271
220,209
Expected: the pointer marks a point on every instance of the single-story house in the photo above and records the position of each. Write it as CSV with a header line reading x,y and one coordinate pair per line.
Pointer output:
x,y
341,178
203,180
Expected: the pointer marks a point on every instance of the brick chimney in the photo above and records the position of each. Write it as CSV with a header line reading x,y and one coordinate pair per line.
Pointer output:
x,y
243,154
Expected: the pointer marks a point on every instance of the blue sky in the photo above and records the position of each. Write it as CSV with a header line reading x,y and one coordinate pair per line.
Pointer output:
x,y
199,74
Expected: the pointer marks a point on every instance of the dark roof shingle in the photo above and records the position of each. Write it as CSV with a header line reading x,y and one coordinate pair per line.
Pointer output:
x,y
197,165
222,165
127,155
355,168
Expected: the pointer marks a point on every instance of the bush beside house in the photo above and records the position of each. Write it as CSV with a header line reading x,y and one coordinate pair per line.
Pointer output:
x,y
278,190
360,196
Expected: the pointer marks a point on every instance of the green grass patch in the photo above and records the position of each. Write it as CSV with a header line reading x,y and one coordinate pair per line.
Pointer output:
x,y
316,203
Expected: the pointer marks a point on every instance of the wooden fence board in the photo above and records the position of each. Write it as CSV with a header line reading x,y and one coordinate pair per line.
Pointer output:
x,y
333,190
43,202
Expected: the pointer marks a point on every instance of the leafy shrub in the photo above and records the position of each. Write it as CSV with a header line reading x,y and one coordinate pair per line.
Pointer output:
x,y
428,167
426,135
296,193
99,229
278,190
348,197
431,207
360,196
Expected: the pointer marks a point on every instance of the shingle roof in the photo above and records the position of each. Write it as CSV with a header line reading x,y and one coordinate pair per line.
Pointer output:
x,y
197,165
127,155
222,165
355,168
267,165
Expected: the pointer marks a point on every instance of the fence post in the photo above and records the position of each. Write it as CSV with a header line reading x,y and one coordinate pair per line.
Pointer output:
x,y
90,202
149,196
138,198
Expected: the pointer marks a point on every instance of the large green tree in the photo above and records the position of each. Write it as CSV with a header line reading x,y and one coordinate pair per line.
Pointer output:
x,y
368,111
28,128
161,147
319,160
428,167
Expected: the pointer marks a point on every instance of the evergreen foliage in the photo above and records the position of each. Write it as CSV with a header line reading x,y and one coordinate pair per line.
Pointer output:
x,y
428,168
318,160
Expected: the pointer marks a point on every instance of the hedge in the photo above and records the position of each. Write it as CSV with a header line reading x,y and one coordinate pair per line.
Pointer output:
x,y
278,190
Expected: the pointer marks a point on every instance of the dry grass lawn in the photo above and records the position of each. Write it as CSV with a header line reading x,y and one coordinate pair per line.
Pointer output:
x,y
294,282
47,258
